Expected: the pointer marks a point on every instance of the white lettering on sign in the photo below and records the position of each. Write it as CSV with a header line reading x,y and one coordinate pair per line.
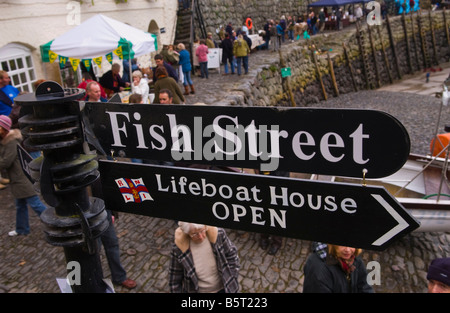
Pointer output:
x,y
224,141
247,197
328,143
282,197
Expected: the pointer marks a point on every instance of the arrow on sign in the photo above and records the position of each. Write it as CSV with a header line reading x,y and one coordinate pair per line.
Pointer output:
x,y
338,213
402,224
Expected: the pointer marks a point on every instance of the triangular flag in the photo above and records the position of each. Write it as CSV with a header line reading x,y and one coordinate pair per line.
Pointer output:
x,y
75,63
118,52
45,51
87,64
98,61
109,57
62,61
306,35
52,56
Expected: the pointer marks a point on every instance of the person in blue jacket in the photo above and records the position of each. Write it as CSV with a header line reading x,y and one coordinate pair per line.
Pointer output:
x,y
186,67
7,93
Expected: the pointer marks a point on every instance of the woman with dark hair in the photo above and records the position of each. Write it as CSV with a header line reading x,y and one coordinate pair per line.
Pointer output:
x,y
339,271
165,82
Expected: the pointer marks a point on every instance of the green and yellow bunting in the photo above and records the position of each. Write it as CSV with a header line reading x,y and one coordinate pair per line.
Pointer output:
x,y
74,63
62,61
87,64
98,61
119,52
52,56
123,51
109,57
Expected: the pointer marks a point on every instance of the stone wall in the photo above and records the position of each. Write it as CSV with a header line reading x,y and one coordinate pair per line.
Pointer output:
x,y
220,12
424,50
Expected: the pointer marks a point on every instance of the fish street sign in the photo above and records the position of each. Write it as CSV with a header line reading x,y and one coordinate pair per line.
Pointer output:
x,y
338,213
343,142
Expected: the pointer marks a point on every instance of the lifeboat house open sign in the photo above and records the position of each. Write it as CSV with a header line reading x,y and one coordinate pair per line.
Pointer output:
x,y
287,207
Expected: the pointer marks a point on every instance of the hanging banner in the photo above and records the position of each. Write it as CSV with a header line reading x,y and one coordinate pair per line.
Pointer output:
x,y
109,57
118,52
74,63
127,51
87,64
52,56
62,61
98,61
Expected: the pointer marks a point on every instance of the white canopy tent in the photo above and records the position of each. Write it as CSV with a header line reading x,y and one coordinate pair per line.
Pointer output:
x,y
96,38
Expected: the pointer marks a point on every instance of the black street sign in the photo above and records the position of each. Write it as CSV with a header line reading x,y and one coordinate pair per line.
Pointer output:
x,y
337,213
25,160
340,142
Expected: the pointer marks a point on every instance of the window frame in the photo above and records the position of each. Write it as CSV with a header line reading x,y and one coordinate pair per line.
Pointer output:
x,y
23,77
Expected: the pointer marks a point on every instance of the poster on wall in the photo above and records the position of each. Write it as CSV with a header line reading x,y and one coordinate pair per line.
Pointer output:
x,y
214,58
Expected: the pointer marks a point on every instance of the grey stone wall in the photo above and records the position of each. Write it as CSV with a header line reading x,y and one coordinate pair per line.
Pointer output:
x,y
219,12
406,52
269,89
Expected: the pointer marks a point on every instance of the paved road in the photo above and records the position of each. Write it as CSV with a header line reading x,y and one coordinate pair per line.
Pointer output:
x,y
29,264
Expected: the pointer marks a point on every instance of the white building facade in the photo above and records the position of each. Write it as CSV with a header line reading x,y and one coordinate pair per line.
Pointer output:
x,y
25,25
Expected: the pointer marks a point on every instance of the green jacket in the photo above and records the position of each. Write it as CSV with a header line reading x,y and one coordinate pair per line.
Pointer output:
x,y
171,84
240,48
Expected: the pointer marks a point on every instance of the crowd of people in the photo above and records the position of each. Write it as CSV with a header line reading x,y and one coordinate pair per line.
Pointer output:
x,y
180,66
203,258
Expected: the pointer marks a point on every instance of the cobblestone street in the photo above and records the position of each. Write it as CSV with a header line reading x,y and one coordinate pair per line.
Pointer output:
x,y
29,264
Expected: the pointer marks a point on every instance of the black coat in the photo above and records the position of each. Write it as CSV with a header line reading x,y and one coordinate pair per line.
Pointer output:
x,y
327,276
227,50
107,81
267,30
170,70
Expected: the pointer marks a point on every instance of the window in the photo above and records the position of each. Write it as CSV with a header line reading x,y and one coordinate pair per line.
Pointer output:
x,y
16,60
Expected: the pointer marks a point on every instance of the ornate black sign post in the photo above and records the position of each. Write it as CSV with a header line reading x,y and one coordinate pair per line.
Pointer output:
x,y
74,221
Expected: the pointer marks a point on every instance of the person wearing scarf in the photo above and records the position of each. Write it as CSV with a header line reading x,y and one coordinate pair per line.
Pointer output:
x,y
339,271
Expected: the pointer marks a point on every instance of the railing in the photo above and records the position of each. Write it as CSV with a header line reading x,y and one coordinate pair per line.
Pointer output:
x,y
201,23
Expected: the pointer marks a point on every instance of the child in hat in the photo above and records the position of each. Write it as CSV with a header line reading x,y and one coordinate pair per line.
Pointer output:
x,y
21,188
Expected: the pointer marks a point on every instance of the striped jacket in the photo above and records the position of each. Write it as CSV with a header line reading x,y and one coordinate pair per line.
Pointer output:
x,y
182,276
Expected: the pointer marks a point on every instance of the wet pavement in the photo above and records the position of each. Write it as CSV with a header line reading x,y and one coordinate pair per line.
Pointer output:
x,y
30,265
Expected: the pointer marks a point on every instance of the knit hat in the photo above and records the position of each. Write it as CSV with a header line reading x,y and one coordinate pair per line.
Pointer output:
x,y
5,122
440,270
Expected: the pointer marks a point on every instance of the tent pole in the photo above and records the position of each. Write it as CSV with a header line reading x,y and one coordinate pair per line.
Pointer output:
x,y
130,69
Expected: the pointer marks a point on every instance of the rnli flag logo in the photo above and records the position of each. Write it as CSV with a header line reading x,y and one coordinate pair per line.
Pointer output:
x,y
133,190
